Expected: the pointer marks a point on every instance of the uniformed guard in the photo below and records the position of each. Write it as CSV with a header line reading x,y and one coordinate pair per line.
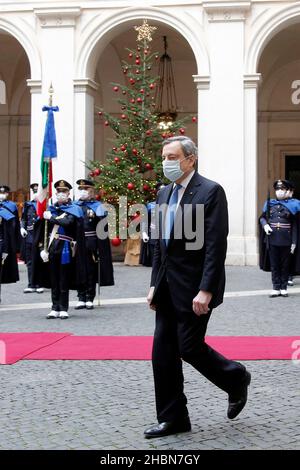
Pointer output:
x,y
279,223
294,256
28,219
11,207
148,230
8,260
98,265
63,234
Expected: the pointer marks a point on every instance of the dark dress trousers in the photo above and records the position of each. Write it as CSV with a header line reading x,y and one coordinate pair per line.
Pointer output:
x,y
28,219
177,275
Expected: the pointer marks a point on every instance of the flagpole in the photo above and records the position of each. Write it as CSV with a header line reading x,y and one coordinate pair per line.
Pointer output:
x,y
51,92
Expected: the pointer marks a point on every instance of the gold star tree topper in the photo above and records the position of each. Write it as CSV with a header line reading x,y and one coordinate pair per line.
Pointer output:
x,y
145,31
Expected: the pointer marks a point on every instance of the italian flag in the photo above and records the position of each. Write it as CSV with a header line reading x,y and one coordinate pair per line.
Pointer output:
x,y
48,153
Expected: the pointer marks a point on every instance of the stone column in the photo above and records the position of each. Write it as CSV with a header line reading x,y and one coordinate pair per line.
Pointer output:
x,y
84,90
57,53
250,168
223,151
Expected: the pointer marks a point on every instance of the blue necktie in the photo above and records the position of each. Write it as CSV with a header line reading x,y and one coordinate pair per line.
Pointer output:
x,y
170,213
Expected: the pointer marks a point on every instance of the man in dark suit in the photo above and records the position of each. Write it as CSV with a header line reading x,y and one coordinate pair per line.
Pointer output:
x,y
188,281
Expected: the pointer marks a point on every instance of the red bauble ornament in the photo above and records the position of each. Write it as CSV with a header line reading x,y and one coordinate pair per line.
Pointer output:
x,y
182,130
142,91
134,151
148,132
116,88
132,81
148,166
98,197
123,116
194,119
130,186
137,72
131,169
115,149
132,100
137,61
130,55
139,100
97,171
100,113
116,241
91,174
117,159
123,147
151,86
146,187
106,123
164,135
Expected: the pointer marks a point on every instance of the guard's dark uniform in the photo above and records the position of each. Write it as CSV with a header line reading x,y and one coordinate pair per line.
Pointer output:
x,y
147,248
96,252
9,267
28,219
281,216
61,273
12,207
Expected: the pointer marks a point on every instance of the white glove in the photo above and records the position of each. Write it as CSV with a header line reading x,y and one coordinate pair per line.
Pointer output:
x,y
268,229
4,256
44,255
23,232
293,247
47,215
145,237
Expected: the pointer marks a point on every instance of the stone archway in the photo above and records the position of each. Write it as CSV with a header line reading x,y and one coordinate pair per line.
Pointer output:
x,y
19,42
96,37
279,110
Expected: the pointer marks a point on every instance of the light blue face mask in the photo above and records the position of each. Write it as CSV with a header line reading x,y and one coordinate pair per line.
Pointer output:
x,y
172,170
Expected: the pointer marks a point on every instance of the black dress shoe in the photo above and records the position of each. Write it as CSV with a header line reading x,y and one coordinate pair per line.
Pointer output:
x,y
168,427
238,399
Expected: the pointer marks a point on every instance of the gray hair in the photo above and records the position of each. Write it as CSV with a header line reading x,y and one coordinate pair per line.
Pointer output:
x,y
187,145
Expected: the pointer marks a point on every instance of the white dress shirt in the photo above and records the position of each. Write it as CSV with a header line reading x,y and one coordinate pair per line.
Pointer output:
x,y
184,184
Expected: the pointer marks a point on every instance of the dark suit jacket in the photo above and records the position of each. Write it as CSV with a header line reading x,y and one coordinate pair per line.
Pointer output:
x,y
188,271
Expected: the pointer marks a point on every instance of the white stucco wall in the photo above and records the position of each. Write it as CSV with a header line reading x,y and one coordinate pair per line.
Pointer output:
x,y
67,42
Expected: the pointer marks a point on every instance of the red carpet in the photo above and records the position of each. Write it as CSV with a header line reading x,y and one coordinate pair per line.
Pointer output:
x,y
16,346
139,347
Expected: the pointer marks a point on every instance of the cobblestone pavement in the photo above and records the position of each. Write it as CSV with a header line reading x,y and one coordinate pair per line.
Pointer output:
x,y
106,405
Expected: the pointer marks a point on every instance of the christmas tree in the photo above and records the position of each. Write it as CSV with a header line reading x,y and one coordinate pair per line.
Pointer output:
x,y
133,165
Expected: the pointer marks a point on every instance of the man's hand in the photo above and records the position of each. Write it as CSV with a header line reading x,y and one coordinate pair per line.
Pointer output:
x,y
44,255
268,229
4,256
293,247
23,232
200,302
145,237
150,297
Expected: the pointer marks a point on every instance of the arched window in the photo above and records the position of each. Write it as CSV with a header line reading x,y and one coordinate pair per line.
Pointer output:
x,y
2,92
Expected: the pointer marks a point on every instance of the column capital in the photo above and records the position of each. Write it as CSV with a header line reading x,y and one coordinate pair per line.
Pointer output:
x,y
85,85
34,85
252,80
57,17
226,11
202,81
